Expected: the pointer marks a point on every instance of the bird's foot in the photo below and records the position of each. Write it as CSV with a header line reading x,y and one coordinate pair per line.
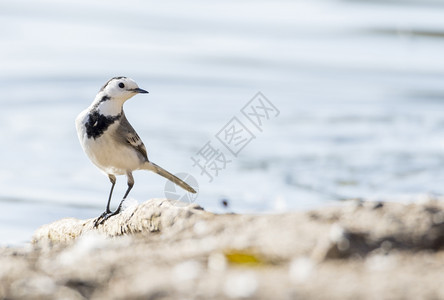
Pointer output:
x,y
105,216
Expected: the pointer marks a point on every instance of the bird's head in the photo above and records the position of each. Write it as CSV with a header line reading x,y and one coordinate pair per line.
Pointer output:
x,y
121,88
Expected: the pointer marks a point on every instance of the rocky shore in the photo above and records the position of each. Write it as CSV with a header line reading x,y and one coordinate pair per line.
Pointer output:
x,y
167,250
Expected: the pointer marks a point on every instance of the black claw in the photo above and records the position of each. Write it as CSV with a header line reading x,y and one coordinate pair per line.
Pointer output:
x,y
105,216
99,219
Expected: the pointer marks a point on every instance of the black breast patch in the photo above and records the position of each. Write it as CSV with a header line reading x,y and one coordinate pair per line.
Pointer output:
x,y
98,123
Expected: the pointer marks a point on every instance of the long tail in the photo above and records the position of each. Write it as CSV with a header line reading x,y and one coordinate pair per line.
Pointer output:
x,y
162,172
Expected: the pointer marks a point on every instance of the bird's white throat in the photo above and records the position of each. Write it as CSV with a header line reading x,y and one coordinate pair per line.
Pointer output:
x,y
110,106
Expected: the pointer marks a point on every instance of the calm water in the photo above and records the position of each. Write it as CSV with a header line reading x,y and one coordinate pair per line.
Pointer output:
x,y
359,86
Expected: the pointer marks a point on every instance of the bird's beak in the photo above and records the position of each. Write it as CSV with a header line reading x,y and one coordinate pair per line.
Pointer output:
x,y
139,90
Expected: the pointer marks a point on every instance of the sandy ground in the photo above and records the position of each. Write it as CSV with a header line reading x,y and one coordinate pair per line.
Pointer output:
x,y
166,250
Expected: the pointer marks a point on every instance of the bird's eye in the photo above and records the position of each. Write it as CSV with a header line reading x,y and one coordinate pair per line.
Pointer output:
x,y
121,85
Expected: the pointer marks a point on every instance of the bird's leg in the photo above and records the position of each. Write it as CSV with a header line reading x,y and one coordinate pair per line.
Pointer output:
x,y
130,186
112,178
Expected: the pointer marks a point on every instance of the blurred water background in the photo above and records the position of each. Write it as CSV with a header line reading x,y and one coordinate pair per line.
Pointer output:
x,y
359,86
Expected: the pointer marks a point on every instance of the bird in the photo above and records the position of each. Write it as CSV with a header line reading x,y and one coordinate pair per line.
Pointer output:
x,y
112,144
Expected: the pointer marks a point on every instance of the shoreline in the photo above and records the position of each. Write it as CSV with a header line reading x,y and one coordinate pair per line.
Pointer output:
x,y
162,250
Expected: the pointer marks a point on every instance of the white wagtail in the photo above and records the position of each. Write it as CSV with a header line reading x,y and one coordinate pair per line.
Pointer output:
x,y
111,142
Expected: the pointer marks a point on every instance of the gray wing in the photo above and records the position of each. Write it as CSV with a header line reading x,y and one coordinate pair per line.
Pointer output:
x,y
126,134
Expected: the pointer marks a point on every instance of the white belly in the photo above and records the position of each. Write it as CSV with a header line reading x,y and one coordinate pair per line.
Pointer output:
x,y
109,156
